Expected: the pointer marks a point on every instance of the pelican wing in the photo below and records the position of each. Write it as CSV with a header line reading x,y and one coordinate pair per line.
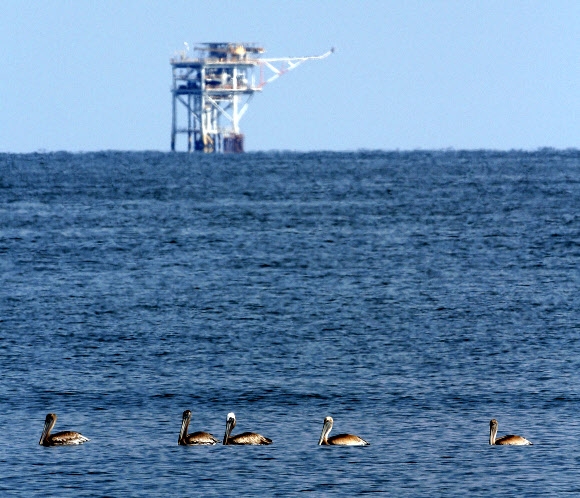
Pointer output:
x,y
347,440
200,437
67,437
249,438
513,440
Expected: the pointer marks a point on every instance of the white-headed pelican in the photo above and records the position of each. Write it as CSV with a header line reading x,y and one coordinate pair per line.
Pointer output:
x,y
195,437
244,437
60,438
510,439
340,439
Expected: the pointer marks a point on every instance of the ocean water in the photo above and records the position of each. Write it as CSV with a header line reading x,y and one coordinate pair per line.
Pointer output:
x,y
413,296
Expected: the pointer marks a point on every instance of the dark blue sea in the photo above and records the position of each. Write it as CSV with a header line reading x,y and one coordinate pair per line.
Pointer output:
x,y
412,296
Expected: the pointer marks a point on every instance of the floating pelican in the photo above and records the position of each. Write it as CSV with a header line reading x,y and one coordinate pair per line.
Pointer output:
x,y
244,437
340,439
510,439
195,437
60,438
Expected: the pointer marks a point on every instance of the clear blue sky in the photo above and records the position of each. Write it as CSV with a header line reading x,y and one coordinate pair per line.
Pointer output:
x,y
84,75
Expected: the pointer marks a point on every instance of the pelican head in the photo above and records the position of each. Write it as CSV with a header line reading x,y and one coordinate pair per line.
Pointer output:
x,y
49,422
184,424
326,428
230,424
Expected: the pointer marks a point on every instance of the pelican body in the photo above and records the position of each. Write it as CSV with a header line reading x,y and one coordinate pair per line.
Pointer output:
x,y
511,439
339,439
198,438
249,438
59,438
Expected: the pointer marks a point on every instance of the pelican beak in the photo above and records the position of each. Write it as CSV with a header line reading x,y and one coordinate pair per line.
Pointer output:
x,y
325,429
229,427
44,431
182,430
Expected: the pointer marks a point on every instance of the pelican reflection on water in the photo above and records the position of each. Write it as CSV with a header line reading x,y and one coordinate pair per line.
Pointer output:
x,y
339,439
198,438
60,438
249,438
510,439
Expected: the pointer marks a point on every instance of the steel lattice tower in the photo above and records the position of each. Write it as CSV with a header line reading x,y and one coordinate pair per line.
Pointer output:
x,y
213,90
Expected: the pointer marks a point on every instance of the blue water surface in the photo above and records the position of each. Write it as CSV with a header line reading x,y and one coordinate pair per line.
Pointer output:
x,y
412,296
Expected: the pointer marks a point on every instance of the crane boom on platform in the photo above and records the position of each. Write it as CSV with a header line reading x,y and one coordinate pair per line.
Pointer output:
x,y
293,63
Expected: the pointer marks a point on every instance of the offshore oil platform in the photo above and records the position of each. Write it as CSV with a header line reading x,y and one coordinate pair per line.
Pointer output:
x,y
212,91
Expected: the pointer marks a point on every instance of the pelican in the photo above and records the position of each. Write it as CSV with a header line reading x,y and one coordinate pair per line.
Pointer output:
x,y
244,437
195,437
510,439
60,438
339,439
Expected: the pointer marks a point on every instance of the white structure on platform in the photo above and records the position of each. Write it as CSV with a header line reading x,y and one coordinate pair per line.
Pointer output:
x,y
213,91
